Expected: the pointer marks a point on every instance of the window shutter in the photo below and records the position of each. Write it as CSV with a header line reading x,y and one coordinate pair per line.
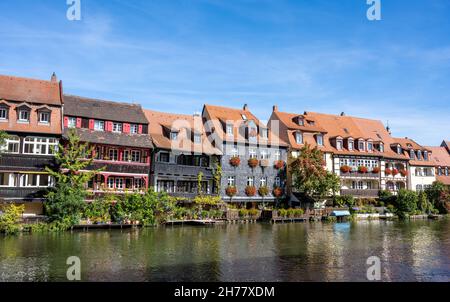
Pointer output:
x,y
91,124
78,122
126,128
66,122
140,129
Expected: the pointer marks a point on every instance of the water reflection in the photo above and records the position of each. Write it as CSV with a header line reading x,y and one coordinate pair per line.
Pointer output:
x,y
408,251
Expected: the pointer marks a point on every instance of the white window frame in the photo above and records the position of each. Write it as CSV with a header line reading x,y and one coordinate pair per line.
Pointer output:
x,y
319,139
264,154
197,138
38,142
4,113
251,181
42,114
72,122
173,136
229,130
265,133
24,111
119,183
231,181
351,145
135,156
134,129
117,127
99,125
299,138
369,146
11,140
263,181
252,153
339,144
277,155
113,151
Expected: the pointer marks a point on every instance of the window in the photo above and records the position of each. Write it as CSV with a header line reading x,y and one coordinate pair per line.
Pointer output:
x,y
138,183
173,136
11,145
419,155
381,149
234,152
3,113
319,138
277,155
117,127
446,171
418,187
197,138
72,123
229,130
277,181
439,171
252,153
134,128
265,133
399,149
361,145
231,181
250,181
360,185
24,115
135,156
113,154
263,181
40,145
265,154
425,155
369,146
44,117
111,183
119,183
411,154
99,125
350,145
164,157
298,138
33,180
339,144
301,121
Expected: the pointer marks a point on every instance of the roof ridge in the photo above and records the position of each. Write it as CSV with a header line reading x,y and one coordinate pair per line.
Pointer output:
x,y
102,101
29,79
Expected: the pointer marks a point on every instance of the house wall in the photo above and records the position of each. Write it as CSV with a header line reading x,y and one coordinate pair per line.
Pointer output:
x,y
421,180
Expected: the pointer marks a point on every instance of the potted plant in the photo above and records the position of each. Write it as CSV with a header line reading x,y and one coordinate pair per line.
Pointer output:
x,y
231,191
345,169
263,191
279,164
394,172
388,171
404,172
362,169
250,190
376,170
278,192
253,162
235,161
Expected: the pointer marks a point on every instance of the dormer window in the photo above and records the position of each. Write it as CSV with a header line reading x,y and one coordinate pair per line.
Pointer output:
x,y
117,127
312,123
300,121
399,149
361,145
99,125
425,155
369,146
339,144
244,117
411,154
72,122
419,155
44,117
197,138
24,115
134,128
230,130
173,136
299,138
319,139
351,144
381,147
4,112
265,133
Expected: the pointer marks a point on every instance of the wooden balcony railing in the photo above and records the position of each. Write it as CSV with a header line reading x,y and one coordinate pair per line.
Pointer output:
x,y
360,193
22,162
22,193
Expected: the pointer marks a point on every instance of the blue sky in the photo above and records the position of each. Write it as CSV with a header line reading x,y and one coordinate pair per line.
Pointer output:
x,y
314,55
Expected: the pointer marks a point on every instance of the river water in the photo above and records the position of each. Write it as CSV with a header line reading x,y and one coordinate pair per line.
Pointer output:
x,y
409,251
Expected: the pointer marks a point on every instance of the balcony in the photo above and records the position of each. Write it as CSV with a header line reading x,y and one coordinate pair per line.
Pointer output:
x,y
359,175
22,193
120,167
174,169
360,193
22,162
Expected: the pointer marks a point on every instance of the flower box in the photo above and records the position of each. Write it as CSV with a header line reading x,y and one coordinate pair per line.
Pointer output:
x,y
394,172
263,191
253,162
387,171
235,161
231,191
404,172
345,169
376,170
362,169
278,192
250,191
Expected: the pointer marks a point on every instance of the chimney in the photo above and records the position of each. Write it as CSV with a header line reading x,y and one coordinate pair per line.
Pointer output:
x,y
342,113
388,129
54,78
245,107
275,108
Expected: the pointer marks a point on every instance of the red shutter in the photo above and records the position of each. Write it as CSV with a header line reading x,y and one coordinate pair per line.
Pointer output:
x,y
66,122
140,129
78,122
91,124
126,128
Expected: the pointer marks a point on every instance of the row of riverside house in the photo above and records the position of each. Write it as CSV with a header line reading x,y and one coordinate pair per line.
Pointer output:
x,y
140,149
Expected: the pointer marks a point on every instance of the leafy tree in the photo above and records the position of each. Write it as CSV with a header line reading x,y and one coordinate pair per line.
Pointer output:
x,y
217,173
439,196
309,175
10,218
67,200
3,137
406,202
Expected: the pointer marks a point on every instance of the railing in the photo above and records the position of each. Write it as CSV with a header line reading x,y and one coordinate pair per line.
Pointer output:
x,y
120,167
22,193
360,193
26,162
174,169
359,175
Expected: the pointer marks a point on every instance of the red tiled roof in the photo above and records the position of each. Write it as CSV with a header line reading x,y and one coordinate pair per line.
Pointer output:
x,y
30,90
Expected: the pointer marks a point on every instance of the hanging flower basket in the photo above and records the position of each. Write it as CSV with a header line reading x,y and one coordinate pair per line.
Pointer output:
x,y
388,171
250,191
376,170
263,191
404,172
278,192
394,172
231,191
235,161
362,169
253,162
345,169
279,164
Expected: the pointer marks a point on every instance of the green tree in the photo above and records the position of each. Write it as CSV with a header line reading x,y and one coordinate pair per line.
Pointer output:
x,y
309,175
406,202
439,196
3,137
66,201
217,173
